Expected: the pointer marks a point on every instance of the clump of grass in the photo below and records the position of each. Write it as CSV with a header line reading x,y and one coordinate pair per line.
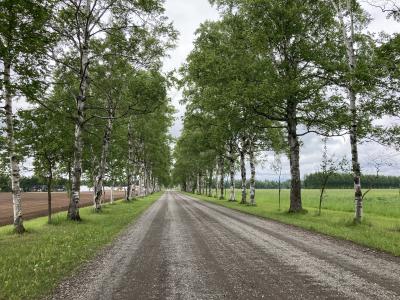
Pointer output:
x,y
33,263
395,229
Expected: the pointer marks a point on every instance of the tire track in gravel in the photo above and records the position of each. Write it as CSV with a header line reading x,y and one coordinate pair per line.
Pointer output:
x,y
342,266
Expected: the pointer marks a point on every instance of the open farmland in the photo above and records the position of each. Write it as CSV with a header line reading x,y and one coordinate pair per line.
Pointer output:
x,y
379,202
35,204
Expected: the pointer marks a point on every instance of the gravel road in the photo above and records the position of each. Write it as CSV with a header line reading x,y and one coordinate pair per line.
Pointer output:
x,y
182,248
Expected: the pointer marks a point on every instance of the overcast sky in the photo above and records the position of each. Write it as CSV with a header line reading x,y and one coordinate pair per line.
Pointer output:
x,y
187,15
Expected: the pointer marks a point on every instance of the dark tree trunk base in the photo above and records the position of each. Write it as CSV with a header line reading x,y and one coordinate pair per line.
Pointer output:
x,y
74,216
298,211
19,227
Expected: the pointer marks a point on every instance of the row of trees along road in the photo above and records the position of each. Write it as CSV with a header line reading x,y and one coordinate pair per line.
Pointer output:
x,y
90,70
270,72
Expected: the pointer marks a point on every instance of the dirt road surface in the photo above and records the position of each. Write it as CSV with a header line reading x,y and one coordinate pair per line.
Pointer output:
x,y
182,248
35,204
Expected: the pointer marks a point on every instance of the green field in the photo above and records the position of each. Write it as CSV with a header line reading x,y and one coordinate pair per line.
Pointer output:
x,y
377,202
31,265
380,228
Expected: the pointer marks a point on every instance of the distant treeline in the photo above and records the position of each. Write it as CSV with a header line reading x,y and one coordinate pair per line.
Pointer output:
x,y
345,181
33,184
266,184
311,181
38,184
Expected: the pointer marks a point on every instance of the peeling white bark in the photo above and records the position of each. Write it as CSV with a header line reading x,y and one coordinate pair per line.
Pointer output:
x,y
243,170
232,196
14,164
217,173
352,61
253,175
130,163
98,186
73,210
222,177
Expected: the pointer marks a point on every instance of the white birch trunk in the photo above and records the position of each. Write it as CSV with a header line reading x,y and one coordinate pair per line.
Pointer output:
x,y
222,177
140,185
352,61
14,164
98,185
253,175
217,179
146,181
130,163
210,180
73,210
232,197
112,193
198,184
243,171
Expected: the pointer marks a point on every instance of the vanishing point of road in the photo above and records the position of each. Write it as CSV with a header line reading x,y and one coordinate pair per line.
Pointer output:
x,y
182,248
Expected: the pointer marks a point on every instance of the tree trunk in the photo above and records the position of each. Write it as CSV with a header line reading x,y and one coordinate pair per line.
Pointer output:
x,y
352,61
221,182
243,171
217,180
130,162
355,162
69,187
49,186
98,186
294,157
14,165
232,176
112,193
146,181
73,210
279,189
252,176
210,181
198,184
354,124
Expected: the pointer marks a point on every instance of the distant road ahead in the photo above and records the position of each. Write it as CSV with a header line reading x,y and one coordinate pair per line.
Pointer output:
x,y
182,248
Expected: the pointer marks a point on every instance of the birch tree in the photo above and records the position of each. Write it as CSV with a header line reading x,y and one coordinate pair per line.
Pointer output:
x,y
289,83
219,80
23,43
243,152
358,79
81,23
45,139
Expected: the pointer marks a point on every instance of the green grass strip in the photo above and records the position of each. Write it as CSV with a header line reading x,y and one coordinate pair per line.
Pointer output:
x,y
31,265
377,232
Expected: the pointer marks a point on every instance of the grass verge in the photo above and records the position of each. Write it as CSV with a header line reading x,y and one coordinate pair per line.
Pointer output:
x,y
32,265
377,232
